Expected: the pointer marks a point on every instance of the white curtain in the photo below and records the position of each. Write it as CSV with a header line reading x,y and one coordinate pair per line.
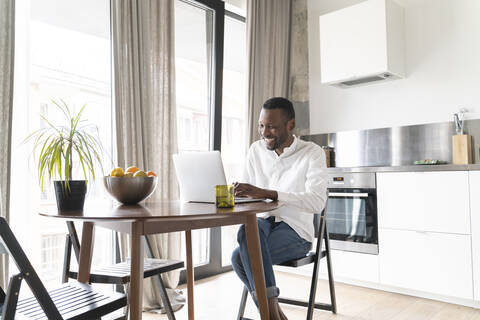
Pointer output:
x,y
7,40
145,122
268,46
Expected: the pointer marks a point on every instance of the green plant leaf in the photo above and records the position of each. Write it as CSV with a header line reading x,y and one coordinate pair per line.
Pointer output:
x,y
60,145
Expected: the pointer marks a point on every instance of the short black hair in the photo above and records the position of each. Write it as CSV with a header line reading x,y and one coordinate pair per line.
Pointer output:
x,y
281,103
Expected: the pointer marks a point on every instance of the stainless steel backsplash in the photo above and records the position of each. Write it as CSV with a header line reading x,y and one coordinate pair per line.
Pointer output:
x,y
396,146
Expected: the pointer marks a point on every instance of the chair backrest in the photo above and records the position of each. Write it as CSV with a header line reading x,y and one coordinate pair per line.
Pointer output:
x,y
27,271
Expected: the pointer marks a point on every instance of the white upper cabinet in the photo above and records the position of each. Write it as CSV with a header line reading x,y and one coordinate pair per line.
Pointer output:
x,y
362,43
424,201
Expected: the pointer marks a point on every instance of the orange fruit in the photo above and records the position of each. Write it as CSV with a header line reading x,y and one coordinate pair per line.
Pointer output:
x,y
132,169
151,174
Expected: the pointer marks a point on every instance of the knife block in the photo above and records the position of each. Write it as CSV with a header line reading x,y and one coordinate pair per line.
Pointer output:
x,y
462,149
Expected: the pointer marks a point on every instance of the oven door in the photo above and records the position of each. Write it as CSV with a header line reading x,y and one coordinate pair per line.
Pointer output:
x,y
352,220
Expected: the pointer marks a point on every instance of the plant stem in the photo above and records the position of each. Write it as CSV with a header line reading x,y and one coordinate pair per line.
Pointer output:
x,y
70,165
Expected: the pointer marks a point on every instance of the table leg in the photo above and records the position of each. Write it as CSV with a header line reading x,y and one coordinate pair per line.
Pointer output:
x,y
86,250
136,271
253,244
190,278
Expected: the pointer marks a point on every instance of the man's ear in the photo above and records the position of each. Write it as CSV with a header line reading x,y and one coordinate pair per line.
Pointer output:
x,y
291,125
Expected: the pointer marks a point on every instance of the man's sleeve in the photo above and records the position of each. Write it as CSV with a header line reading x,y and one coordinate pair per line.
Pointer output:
x,y
314,197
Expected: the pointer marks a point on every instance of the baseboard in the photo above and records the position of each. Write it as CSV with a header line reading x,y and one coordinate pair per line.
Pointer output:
x,y
378,286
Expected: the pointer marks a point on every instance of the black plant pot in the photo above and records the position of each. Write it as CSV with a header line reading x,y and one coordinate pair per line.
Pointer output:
x,y
71,198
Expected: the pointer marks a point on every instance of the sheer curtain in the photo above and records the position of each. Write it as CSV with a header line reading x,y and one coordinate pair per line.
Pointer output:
x,y
143,55
7,18
268,46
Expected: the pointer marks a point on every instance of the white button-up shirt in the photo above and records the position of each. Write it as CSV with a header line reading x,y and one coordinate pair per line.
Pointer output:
x,y
299,177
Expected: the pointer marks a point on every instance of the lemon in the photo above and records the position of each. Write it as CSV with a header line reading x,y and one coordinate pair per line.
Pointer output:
x,y
117,172
128,175
140,173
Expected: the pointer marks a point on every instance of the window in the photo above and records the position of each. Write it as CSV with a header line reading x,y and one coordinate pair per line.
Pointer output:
x,y
234,115
62,51
193,70
201,59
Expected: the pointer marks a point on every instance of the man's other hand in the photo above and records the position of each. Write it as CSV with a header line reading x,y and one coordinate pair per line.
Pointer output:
x,y
249,191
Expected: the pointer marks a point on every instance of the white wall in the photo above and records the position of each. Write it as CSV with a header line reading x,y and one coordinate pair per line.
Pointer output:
x,y
442,65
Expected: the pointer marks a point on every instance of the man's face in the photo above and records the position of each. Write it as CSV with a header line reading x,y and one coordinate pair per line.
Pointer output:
x,y
274,128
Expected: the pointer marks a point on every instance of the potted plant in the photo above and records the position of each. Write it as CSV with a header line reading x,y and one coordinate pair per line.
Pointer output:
x,y
59,146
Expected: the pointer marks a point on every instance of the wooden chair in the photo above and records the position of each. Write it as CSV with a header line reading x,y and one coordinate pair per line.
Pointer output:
x,y
73,301
119,273
314,257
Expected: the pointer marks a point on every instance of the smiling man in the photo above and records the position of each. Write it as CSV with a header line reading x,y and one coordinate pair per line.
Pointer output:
x,y
280,167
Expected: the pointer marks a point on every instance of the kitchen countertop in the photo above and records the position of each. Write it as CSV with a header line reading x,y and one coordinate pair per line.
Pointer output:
x,y
408,168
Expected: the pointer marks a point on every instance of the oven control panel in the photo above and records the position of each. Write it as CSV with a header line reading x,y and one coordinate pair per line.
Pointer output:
x,y
352,180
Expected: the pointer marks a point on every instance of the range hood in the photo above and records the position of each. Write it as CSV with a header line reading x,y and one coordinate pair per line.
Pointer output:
x,y
362,44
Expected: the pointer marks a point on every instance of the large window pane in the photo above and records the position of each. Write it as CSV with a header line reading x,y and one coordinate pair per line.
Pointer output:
x,y
193,63
62,51
234,116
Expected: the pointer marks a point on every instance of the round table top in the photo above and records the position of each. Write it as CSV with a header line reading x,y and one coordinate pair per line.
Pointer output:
x,y
108,211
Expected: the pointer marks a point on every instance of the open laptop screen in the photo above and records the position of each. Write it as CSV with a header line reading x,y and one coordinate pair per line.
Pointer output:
x,y
198,173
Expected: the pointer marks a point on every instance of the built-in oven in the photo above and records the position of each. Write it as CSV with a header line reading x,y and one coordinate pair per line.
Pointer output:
x,y
352,212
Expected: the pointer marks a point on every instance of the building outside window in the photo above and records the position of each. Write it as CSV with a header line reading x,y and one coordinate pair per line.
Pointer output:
x,y
62,51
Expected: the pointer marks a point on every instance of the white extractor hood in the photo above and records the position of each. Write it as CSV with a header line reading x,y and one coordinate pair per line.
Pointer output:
x,y
362,44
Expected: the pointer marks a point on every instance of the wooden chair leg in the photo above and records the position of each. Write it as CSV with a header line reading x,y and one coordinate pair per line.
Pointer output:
x,y
66,258
331,283
160,285
11,299
74,239
163,294
243,303
316,265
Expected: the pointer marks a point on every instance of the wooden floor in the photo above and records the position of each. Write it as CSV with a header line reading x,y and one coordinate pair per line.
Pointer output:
x,y
217,298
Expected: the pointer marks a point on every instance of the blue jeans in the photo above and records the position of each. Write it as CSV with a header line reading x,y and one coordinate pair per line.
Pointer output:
x,y
278,242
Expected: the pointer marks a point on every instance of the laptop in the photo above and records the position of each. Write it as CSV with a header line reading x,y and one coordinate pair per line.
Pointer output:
x,y
198,173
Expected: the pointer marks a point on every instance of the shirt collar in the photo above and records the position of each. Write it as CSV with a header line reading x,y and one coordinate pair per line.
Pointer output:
x,y
291,149
287,151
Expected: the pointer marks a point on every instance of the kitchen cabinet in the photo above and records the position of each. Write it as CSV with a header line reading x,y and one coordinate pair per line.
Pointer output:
x,y
474,179
352,265
424,201
362,43
425,240
438,263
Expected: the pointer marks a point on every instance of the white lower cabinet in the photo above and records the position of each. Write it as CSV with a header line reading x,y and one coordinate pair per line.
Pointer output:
x,y
475,218
438,263
352,265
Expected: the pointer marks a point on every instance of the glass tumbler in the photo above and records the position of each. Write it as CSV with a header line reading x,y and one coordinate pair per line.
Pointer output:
x,y
224,196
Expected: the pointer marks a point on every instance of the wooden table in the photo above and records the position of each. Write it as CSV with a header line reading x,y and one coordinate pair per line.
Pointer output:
x,y
162,217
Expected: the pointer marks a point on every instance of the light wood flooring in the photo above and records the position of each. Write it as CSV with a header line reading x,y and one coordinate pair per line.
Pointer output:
x,y
217,298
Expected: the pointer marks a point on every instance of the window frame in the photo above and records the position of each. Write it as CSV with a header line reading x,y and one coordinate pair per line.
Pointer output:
x,y
214,265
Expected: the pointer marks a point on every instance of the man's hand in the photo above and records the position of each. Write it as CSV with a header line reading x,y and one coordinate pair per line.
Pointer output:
x,y
249,191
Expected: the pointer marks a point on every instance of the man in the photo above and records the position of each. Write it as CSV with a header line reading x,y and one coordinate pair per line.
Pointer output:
x,y
280,167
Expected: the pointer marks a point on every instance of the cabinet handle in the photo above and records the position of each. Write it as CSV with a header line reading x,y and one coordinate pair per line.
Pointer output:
x,y
420,231
345,195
